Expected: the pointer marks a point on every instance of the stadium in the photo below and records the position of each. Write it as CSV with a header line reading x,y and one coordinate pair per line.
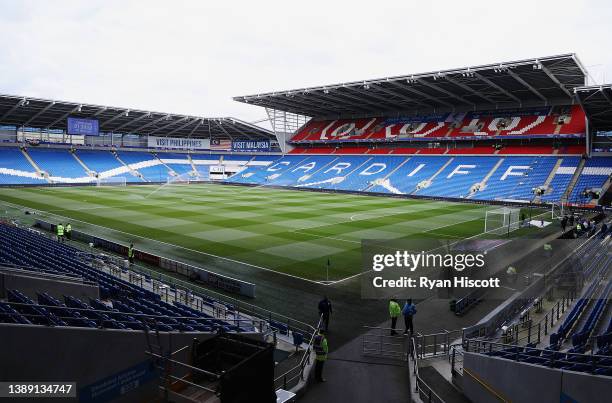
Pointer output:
x,y
158,257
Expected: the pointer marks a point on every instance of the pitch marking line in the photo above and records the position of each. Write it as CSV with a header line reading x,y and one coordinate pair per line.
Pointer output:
x,y
179,246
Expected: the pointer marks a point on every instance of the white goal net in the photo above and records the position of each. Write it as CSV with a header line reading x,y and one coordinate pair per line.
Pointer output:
x,y
502,220
185,179
557,211
112,181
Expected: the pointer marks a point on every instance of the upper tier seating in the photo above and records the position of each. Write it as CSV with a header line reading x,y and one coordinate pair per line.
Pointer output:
x,y
122,306
16,169
529,122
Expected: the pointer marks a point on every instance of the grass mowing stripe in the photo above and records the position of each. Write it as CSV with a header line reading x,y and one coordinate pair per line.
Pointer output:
x,y
293,232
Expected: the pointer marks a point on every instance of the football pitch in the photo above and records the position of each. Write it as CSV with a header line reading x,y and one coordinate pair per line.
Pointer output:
x,y
292,232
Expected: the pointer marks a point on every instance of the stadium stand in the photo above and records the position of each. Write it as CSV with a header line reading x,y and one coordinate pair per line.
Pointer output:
x,y
16,169
122,305
484,124
99,161
596,172
59,164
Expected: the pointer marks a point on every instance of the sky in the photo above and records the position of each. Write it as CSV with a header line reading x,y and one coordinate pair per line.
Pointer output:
x,y
192,57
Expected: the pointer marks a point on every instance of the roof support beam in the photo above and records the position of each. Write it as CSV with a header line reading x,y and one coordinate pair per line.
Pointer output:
x,y
64,116
555,79
424,95
378,97
398,94
527,85
43,110
138,119
184,126
273,103
223,130
301,100
498,88
139,128
337,97
100,111
353,97
443,91
469,89
168,125
17,105
108,121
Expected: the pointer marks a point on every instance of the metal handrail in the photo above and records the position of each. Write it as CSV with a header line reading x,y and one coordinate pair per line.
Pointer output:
x,y
303,362
429,392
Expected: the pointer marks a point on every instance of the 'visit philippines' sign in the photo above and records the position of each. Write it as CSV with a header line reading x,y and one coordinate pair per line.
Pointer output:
x,y
179,143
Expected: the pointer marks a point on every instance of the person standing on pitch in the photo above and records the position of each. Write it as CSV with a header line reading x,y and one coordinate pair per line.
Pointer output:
x,y
394,313
325,310
321,349
408,311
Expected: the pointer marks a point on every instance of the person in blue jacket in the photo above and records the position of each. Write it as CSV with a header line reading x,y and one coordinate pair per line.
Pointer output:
x,y
409,310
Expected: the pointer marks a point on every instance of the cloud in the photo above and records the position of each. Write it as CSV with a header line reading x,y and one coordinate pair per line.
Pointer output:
x,y
191,57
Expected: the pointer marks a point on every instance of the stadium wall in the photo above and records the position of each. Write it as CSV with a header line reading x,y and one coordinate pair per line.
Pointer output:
x,y
85,356
487,379
210,278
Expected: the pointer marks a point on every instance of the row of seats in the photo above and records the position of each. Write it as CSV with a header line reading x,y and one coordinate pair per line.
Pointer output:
x,y
64,166
478,177
122,305
476,150
599,365
509,123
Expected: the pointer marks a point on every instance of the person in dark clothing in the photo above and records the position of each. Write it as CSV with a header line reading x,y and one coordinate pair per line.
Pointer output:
x,y
325,310
564,223
408,311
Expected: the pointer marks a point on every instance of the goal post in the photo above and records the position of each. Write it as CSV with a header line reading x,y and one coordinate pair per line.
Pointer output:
x,y
182,179
502,221
112,181
557,211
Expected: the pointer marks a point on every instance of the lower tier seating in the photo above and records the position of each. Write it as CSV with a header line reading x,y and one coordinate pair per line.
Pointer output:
x,y
501,177
122,305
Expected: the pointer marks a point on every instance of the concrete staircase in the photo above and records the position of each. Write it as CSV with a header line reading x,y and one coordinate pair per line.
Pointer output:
x,y
134,172
387,176
427,183
35,165
85,167
574,179
483,183
548,180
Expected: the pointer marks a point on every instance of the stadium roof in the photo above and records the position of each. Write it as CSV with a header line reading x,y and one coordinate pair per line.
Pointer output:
x,y
596,100
532,82
23,111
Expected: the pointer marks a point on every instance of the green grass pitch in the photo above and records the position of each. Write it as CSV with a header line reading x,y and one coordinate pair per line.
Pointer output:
x,y
293,232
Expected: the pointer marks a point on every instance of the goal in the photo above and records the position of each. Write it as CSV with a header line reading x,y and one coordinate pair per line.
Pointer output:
x,y
112,181
183,179
557,211
502,220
